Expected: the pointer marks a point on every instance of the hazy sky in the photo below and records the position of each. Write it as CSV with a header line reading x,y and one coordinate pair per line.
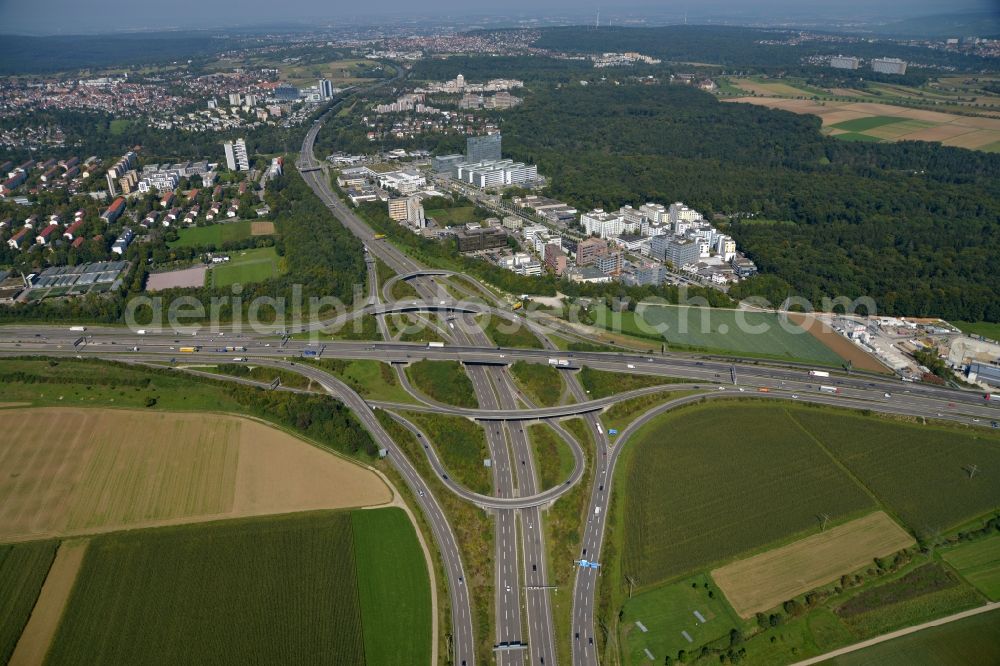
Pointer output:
x,y
76,16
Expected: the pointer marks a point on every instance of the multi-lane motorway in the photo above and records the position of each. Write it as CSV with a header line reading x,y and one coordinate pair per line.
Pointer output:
x,y
523,626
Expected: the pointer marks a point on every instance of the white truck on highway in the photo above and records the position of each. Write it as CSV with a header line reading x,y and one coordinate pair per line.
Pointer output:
x,y
819,373
435,344
78,329
829,389
559,362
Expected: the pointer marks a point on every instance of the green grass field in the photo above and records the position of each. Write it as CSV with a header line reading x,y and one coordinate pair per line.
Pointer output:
x,y
979,563
453,216
620,414
213,234
917,471
508,334
23,568
245,267
600,384
987,329
373,380
735,478
256,591
394,588
971,640
461,445
541,383
668,611
444,381
863,124
553,458
727,331
857,136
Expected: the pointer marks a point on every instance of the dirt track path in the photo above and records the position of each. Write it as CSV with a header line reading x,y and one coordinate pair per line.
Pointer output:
x,y
41,628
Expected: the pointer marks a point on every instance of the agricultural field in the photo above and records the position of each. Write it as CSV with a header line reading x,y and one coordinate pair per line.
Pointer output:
x,y
971,640
901,462
552,455
190,594
217,234
541,383
392,575
461,445
246,266
23,568
663,619
979,563
179,279
444,381
735,478
763,581
724,331
873,121
79,471
601,383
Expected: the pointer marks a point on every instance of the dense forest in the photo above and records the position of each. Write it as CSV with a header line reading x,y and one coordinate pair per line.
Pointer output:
x,y
95,133
737,47
21,54
914,225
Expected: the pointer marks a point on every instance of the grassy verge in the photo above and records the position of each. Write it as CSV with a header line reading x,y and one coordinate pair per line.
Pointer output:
x,y
403,291
373,380
600,384
541,383
473,531
507,334
363,328
552,456
411,329
461,445
618,416
563,522
444,381
258,373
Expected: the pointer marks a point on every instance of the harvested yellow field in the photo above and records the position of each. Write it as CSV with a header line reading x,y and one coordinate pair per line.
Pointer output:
x,y
262,228
893,123
70,471
763,581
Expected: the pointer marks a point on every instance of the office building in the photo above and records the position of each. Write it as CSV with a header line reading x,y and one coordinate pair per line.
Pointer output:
x,y
675,250
325,89
610,263
446,163
236,155
495,173
407,209
587,251
555,258
844,62
234,99
483,148
483,238
605,225
889,66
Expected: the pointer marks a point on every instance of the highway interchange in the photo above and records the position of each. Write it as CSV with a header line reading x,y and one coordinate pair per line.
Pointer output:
x,y
523,624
